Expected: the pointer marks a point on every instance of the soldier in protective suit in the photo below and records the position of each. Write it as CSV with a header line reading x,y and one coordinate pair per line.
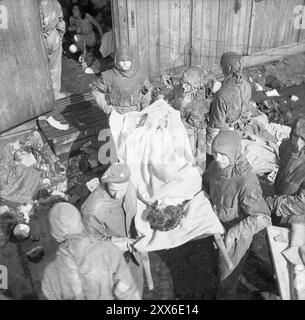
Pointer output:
x,y
108,214
231,101
53,28
289,199
237,198
84,268
122,88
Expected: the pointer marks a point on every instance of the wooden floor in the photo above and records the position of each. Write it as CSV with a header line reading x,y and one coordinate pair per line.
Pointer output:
x,y
74,80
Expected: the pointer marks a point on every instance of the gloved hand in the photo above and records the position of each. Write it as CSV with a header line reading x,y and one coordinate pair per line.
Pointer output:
x,y
123,243
107,109
274,204
230,238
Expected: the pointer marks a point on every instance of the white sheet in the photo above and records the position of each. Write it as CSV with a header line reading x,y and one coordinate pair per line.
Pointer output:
x,y
155,145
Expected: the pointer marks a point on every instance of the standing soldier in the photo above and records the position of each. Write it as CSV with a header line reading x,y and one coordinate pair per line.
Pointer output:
x,y
122,88
231,101
53,28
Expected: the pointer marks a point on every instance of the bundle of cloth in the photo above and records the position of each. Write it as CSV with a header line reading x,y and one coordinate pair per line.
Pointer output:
x,y
155,145
261,141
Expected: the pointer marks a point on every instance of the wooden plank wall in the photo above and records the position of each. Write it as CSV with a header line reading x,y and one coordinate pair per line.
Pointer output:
x,y
273,24
217,28
159,29
25,83
162,30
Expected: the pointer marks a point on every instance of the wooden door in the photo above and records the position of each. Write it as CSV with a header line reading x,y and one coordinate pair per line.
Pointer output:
x,y
25,83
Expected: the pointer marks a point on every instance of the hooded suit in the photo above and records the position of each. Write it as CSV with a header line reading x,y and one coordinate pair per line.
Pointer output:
x,y
237,198
84,268
125,91
290,180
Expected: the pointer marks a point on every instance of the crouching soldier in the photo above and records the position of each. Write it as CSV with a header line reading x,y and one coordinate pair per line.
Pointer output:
x,y
108,214
122,88
84,268
289,187
237,198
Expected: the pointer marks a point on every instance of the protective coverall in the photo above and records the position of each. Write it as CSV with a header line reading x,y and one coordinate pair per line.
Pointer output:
x,y
237,198
53,28
84,268
124,91
107,219
231,101
290,180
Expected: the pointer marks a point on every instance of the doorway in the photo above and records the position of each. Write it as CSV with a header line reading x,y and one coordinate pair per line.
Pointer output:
x,y
84,57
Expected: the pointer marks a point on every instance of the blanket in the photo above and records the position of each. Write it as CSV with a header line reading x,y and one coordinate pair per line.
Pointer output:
x,y
155,145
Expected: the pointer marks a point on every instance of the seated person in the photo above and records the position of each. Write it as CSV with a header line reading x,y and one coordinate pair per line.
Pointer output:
x,y
108,214
82,24
289,187
84,268
122,88
237,198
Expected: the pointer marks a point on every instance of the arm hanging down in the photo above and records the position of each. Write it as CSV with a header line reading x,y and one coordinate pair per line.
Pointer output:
x,y
217,121
257,215
96,24
99,92
146,90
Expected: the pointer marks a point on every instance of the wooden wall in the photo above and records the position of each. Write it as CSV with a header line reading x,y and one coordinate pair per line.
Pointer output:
x,y
25,84
273,24
163,30
217,29
160,29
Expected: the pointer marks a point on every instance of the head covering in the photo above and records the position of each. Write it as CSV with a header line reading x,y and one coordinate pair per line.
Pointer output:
x,y
228,143
194,76
298,128
65,220
116,173
124,53
230,63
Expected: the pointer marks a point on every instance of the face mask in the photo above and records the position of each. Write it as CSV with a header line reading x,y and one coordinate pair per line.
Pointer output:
x,y
125,65
117,190
222,160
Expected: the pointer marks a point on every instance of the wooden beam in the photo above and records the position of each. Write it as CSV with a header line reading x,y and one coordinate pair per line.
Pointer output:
x,y
274,54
